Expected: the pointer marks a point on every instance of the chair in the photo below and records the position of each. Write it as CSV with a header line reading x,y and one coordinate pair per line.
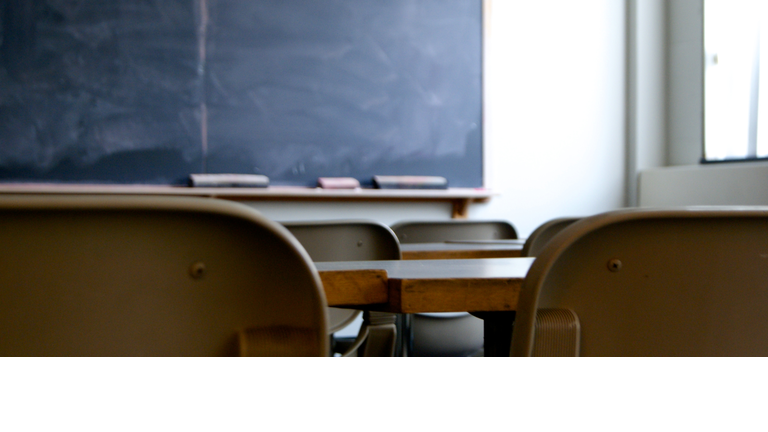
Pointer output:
x,y
643,282
498,326
153,276
447,230
543,234
356,240
448,334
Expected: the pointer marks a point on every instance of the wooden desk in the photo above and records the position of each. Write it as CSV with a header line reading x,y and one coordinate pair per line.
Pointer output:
x,y
460,250
488,287
425,286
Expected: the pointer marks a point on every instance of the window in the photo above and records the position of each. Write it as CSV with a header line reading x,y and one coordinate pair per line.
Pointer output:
x,y
735,102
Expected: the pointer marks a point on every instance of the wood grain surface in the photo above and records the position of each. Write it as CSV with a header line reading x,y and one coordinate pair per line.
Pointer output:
x,y
426,286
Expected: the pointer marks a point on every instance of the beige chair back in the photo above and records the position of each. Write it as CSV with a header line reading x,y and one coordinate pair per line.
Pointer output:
x,y
439,231
153,276
640,282
448,334
345,240
352,240
543,234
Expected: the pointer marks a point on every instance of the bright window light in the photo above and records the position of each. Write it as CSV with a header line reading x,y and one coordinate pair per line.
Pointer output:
x,y
735,102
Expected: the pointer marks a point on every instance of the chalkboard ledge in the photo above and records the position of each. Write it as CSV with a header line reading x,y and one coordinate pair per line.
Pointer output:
x,y
460,198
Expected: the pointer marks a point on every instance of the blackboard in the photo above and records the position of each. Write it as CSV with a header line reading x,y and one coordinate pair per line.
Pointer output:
x,y
149,91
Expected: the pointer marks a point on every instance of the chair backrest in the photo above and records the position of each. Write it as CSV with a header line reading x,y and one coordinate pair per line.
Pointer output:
x,y
438,231
345,240
448,334
153,276
543,234
639,282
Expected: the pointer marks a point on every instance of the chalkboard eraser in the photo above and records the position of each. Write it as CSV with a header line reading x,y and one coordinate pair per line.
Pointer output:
x,y
228,180
410,182
338,183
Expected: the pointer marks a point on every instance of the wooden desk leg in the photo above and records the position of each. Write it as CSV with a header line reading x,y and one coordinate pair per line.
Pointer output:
x,y
497,328
460,208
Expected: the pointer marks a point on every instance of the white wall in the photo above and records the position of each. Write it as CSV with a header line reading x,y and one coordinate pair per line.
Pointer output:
x,y
555,110
646,85
714,184
554,113
685,95
651,84
685,181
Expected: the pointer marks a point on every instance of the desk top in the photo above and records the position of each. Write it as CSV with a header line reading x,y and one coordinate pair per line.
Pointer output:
x,y
491,268
520,242
426,286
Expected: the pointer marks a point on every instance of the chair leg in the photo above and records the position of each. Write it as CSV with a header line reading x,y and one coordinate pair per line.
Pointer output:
x,y
497,327
404,346
382,334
